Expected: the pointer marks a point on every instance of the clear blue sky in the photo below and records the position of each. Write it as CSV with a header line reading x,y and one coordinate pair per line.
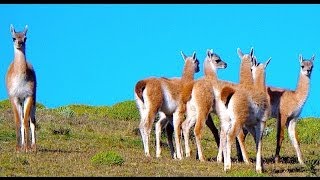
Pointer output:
x,y
94,54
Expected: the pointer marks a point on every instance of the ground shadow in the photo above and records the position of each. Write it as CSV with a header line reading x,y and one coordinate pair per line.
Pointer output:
x,y
47,150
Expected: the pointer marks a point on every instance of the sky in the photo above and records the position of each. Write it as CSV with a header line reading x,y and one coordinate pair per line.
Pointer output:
x,y
94,54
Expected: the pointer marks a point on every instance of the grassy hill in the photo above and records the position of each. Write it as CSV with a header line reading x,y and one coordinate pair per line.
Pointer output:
x,y
82,140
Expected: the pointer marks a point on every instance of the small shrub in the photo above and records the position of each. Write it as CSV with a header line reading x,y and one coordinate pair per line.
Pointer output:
x,y
7,135
66,112
126,110
61,131
267,131
311,166
21,160
5,104
306,129
107,158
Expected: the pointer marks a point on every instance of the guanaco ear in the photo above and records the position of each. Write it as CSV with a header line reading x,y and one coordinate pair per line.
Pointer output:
x,y
183,55
25,30
209,52
240,54
12,29
266,64
251,52
312,58
300,58
194,56
254,61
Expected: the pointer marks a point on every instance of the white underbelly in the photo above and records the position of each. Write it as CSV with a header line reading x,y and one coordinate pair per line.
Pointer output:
x,y
20,88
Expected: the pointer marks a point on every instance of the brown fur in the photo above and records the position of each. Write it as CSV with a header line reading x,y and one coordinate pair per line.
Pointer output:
x,y
164,95
203,101
248,106
284,103
226,94
21,87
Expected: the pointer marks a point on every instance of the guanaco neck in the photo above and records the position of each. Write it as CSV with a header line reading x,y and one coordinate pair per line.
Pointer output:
x,y
20,61
245,73
302,89
210,72
260,81
188,72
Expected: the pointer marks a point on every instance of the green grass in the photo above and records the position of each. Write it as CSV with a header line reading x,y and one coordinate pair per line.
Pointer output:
x,y
82,140
107,158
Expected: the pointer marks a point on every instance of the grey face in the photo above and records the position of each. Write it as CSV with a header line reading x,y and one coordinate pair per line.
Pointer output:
x,y
19,40
216,60
306,67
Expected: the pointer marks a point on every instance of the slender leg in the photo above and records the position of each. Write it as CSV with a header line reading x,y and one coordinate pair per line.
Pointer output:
x,y
16,107
186,126
169,131
258,139
225,125
213,129
294,139
280,135
240,144
145,129
162,122
198,133
33,128
231,136
177,119
26,121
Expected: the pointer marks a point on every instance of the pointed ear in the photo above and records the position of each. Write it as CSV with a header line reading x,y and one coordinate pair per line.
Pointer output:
x,y
312,58
194,56
12,29
240,54
25,30
254,61
300,58
183,55
209,52
266,64
251,52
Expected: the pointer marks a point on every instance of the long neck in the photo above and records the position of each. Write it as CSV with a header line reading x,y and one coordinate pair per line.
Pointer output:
x,y
20,61
260,82
188,72
209,71
302,89
245,73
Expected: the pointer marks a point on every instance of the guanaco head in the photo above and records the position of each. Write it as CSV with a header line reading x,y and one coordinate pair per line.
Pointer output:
x,y
19,38
306,65
215,60
245,67
247,57
193,59
258,68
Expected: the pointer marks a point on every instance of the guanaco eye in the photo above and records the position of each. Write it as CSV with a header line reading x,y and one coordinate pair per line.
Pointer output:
x,y
219,60
302,67
13,39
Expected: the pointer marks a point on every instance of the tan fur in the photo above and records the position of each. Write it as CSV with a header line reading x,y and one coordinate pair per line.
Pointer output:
x,y
164,95
223,91
286,106
21,88
226,94
202,102
248,106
